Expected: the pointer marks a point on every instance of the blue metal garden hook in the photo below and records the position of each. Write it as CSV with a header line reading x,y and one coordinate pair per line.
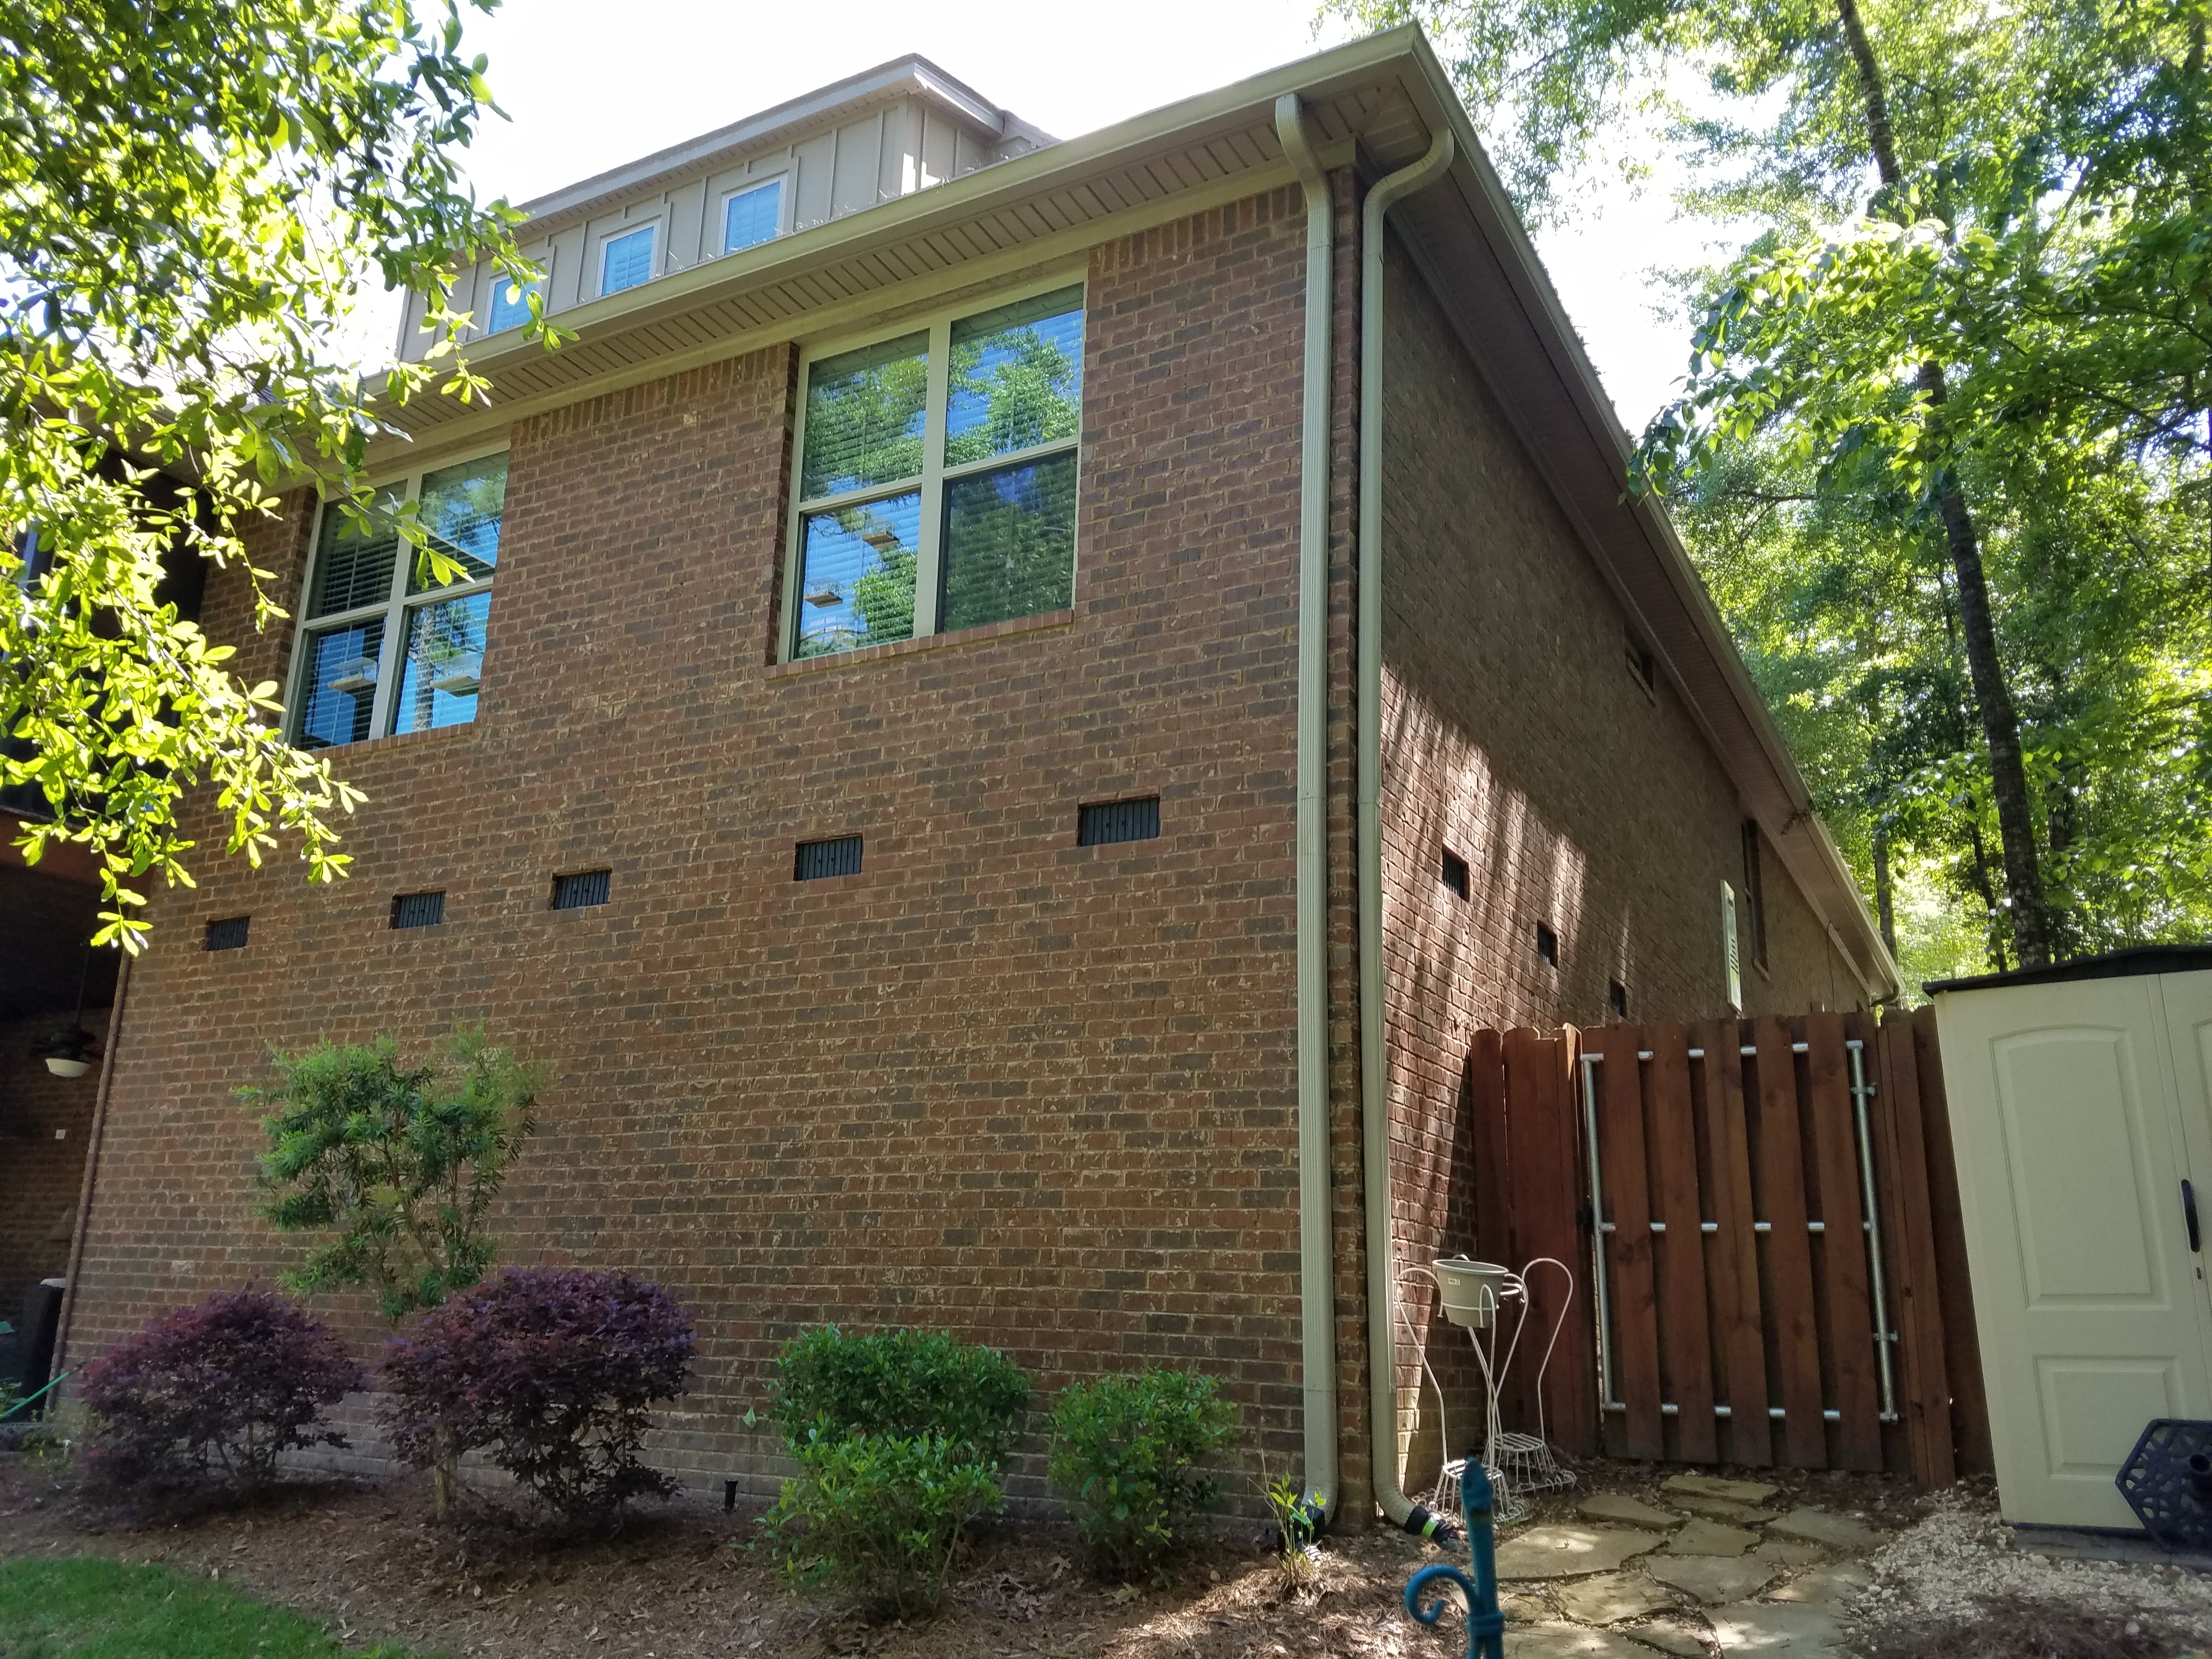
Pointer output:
x,y
1485,1625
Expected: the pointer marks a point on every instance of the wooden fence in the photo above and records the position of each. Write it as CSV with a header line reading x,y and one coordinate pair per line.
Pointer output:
x,y
1755,1308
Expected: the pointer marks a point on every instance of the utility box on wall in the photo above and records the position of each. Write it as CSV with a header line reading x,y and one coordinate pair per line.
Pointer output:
x,y
2083,1127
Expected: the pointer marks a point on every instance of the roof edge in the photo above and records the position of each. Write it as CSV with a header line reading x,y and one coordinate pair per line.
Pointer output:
x,y
911,73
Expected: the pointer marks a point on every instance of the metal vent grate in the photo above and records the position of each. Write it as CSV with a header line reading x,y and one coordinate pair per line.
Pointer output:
x,y
817,859
227,934
1118,820
1454,872
585,887
418,909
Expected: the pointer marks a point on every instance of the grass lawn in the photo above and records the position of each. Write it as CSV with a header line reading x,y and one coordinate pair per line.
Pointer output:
x,y
92,1608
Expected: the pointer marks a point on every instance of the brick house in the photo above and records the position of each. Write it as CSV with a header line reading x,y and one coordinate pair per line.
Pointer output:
x,y
913,748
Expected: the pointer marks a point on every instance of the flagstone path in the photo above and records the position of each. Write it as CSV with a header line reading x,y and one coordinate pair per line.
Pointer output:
x,y
1713,1570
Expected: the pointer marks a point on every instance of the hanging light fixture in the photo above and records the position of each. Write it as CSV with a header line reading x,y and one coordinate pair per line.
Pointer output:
x,y
71,1051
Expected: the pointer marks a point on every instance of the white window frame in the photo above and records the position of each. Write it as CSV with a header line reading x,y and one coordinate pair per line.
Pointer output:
x,y
928,568
393,608
607,242
1731,948
783,182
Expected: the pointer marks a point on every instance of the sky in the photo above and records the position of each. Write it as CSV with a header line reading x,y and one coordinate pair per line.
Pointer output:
x,y
588,87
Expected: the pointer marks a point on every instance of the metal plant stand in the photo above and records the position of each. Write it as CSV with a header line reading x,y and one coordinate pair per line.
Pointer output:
x,y
1485,1625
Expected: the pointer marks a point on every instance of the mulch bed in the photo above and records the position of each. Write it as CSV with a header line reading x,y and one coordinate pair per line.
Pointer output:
x,y
366,1557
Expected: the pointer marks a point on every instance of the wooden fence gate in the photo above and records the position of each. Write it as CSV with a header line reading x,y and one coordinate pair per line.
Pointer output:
x,y
1764,1217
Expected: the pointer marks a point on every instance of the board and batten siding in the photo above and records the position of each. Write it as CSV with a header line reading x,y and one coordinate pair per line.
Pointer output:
x,y
889,151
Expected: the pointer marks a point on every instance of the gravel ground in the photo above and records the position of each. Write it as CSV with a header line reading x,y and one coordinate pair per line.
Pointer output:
x,y
1958,1556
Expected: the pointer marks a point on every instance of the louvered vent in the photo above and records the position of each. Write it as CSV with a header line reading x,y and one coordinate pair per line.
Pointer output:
x,y
227,934
817,859
1118,820
585,887
1454,872
418,909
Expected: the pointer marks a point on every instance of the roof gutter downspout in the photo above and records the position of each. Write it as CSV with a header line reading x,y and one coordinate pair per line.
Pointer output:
x,y
1317,1267
1374,1067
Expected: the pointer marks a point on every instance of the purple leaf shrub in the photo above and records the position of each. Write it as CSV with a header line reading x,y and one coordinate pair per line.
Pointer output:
x,y
551,1371
213,1392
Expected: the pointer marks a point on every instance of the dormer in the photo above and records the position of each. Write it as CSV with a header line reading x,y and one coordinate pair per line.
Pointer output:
x,y
871,139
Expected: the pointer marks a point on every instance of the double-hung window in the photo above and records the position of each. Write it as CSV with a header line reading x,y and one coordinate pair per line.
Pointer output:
x,y
937,478
385,647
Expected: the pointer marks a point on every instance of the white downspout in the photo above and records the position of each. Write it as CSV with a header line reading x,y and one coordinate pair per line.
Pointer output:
x,y
1373,1068
1316,1264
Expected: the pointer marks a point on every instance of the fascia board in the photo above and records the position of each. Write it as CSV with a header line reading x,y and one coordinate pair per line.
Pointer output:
x,y
903,76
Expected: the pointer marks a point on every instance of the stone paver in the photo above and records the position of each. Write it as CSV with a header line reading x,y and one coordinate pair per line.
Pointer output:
x,y
1569,1642
1711,1485
1568,1552
1722,1509
1710,1538
1613,1596
1627,1511
1713,1579
1835,1532
1525,1609
1789,1553
1822,1585
1670,1638
1768,1627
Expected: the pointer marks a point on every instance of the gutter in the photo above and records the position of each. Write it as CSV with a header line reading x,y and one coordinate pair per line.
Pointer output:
x,y
1317,1266
1374,1055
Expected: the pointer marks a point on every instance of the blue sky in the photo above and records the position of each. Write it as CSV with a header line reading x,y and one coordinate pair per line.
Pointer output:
x,y
591,85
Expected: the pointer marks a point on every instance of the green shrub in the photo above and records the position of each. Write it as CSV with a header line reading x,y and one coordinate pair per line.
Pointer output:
x,y
899,1384
1124,1450
881,1514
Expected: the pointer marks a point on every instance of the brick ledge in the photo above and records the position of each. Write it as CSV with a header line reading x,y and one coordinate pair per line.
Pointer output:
x,y
1043,621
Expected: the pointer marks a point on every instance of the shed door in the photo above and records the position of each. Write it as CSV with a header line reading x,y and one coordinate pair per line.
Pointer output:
x,y
2072,1150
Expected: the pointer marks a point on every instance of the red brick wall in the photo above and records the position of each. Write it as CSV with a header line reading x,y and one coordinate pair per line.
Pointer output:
x,y
1515,735
44,1122
1039,1094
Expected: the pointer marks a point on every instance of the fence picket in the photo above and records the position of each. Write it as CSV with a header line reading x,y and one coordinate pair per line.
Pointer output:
x,y
1549,1195
1780,1172
1962,1351
1685,1336
1918,1302
1843,1250
1734,1276
1628,1248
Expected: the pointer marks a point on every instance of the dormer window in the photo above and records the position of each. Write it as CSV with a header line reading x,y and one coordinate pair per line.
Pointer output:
x,y
627,260
753,216
510,303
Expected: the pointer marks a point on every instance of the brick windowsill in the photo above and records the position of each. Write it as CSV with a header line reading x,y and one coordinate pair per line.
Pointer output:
x,y
1043,621
400,739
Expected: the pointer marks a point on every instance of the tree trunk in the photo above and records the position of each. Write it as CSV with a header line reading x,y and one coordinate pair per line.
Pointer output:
x,y
2031,927
1885,901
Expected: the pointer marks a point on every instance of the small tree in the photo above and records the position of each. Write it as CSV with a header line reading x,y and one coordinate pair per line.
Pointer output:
x,y
401,1164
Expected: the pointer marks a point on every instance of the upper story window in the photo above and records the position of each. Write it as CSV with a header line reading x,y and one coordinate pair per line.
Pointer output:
x,y
384,646
627,260
937,478
753,216
510,303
